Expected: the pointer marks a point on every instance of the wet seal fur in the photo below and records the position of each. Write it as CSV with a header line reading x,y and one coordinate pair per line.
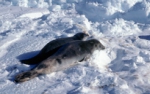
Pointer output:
x,y
66,56
52,47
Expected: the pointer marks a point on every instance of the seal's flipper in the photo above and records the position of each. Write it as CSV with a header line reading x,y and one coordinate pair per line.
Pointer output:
x,y
26,76
85,58
82,60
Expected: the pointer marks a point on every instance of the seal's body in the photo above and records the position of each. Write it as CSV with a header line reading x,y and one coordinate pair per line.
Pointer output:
x,y
52,47
66,56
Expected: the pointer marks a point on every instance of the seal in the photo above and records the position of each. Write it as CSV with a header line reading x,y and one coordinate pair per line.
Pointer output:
x,y
65,57
52,47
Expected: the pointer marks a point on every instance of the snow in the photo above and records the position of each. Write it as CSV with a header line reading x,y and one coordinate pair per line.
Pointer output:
x,y
123,26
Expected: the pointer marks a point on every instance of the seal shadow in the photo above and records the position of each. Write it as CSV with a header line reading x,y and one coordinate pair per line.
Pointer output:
x,y
27,55
146,37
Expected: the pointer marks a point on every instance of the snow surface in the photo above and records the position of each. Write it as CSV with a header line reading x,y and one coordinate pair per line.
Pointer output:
x,y
123,26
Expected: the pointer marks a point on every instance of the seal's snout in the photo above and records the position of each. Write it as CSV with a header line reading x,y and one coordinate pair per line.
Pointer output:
x,y
86,34
102,47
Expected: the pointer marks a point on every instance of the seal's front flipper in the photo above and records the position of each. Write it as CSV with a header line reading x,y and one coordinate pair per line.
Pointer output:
x,y
82,60
85,58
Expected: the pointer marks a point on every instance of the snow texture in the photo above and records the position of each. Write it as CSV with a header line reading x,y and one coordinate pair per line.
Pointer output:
x,y
123,26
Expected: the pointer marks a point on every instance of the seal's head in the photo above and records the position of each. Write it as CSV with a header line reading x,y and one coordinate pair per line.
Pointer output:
x,y
96,44
81,36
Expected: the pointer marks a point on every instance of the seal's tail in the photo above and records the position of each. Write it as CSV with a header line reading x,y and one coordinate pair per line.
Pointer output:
x,y
25,76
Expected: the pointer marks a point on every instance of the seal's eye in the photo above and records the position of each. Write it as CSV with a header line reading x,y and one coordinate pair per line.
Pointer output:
x,y
96,45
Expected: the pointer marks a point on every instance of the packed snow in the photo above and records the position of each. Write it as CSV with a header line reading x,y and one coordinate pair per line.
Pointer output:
x,y
123,26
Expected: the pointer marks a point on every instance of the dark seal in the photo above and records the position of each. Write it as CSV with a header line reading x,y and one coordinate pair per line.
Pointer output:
x,y
52,47
65,57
